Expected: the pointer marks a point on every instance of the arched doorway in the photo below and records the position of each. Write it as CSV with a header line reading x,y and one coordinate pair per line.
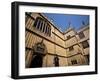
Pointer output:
x,y
40,51
36,61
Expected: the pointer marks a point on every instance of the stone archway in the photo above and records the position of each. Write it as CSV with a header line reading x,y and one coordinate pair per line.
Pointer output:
x,y
40,51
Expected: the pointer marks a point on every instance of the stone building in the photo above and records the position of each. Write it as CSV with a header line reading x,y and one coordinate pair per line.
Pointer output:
x,y
47,46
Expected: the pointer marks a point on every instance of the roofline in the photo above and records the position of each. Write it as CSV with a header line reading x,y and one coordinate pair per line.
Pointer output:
x,y
63,33
50,23
83,29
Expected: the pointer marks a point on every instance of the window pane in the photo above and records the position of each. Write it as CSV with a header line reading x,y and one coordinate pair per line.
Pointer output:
x,y
49,31
71,48
44,27
68,37
35,23
41,24
74,62
85,44
81,35
38,24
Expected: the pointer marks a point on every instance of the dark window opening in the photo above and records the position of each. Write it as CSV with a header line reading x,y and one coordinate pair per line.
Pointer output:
x,y
68,37
41,26
74,62
46,29
36,61
49,31
85,44
81,35
71,48
56,61
88,58
36,22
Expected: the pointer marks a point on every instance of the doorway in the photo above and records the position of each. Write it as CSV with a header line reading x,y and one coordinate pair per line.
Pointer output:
x,y
37,61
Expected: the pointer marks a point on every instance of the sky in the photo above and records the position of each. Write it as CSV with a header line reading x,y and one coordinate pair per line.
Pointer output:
x,y
63,21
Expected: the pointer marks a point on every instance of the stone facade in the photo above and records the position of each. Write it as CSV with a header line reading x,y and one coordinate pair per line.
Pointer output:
x,y
47,46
